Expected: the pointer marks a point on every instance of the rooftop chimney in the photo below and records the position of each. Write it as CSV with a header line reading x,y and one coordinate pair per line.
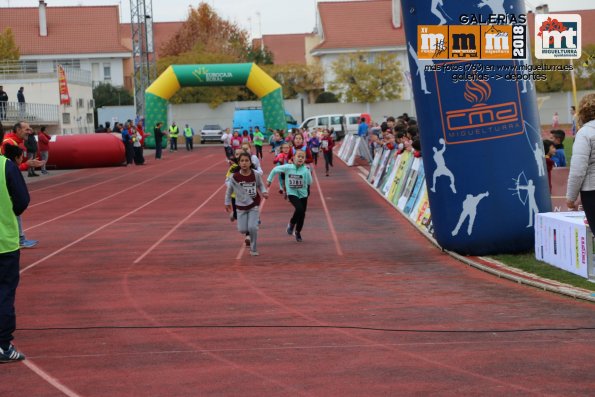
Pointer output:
x,y
43,23
542,9
396,6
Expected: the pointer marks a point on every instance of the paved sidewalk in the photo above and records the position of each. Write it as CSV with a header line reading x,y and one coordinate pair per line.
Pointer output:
x,y
493,266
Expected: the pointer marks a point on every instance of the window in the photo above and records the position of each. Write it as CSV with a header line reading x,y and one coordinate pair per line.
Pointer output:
x,y
322,121
290,120
310,123
29,66
89,118
65,118
336,119
80,103
107,72
91,104
68,63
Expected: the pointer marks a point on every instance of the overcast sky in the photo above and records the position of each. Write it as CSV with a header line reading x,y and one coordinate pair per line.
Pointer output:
x,y
256,16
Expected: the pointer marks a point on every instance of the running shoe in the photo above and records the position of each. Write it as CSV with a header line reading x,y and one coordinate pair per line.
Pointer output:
x,y
28,243
254,253
10,355
298,237
290,228
247,241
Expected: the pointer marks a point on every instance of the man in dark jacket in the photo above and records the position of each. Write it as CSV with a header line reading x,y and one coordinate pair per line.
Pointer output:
x,y
21,99
3,103
31,146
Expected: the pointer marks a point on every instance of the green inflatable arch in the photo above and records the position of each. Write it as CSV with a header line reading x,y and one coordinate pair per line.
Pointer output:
x,y
178,76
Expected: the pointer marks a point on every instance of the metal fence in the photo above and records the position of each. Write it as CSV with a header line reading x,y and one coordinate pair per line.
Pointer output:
x,y
19,70
34,113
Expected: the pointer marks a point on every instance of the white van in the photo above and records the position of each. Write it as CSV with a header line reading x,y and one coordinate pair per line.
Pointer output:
x,y
352,121
330,121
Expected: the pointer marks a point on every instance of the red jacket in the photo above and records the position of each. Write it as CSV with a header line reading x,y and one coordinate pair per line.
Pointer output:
x,y
330,145
43,141
12,139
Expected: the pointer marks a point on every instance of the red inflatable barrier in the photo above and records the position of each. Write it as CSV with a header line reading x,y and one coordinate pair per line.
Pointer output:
x,y
86,151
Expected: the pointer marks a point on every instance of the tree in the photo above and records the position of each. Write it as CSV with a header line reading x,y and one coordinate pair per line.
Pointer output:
x,y
298,79
8,48
260,56
327,97
214,34
561,80
106,94
359,81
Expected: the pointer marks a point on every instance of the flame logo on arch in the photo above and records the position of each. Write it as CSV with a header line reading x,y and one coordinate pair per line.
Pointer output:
x,y
477,92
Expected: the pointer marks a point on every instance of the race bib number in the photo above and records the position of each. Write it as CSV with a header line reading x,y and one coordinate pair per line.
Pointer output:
x,y
296,181
250,188
324,144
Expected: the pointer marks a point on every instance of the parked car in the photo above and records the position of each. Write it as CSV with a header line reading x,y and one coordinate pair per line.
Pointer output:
x,y
211,133
336,122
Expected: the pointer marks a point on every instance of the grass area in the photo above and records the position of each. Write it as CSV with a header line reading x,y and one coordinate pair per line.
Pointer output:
x,y
528,263
568,142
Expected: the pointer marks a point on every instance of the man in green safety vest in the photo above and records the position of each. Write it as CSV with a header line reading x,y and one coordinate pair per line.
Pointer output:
x,y
189,136
14,199
173,137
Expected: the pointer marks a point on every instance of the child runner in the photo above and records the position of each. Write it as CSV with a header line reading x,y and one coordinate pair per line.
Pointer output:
x,y
327,145
281,159
247,147
297,184
236,141
246,184
314,145
299,143
258,141
233,167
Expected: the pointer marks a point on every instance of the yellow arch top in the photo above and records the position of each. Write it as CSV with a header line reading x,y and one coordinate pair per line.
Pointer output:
x,y
166,85
261,83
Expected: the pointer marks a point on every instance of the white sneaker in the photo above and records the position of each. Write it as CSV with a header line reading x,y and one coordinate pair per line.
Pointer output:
x,y
254,253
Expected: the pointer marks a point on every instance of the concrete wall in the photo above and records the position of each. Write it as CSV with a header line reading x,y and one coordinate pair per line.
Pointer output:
x,y
199,114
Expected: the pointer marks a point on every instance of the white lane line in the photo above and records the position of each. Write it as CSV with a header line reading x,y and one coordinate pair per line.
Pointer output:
x,y
50,379
328,217
66,181
106,198
173,229
83,189
115,220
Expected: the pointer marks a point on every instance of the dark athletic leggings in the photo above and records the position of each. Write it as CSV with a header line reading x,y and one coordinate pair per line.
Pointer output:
x,y
588,201
300,205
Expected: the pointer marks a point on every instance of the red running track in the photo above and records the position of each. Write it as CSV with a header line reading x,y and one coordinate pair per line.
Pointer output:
x,y
141,287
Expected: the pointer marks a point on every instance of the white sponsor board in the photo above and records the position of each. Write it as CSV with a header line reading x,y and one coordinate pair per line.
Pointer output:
x,y
563,240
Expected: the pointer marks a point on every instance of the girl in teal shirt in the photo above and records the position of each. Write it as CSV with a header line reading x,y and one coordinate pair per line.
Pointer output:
x,y
297,186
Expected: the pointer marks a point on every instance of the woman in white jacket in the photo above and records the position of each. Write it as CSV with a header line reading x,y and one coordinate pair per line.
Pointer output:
x,y
582,167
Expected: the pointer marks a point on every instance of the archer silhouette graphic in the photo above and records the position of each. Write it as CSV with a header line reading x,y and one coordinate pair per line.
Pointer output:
x,y
441,169
538,153
529,187
469,211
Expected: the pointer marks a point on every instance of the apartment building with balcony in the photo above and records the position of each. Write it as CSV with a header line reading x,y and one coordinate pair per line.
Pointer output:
x,y
42,98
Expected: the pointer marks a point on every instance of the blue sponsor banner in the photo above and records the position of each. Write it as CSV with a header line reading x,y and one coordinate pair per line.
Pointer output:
x,y
481,144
